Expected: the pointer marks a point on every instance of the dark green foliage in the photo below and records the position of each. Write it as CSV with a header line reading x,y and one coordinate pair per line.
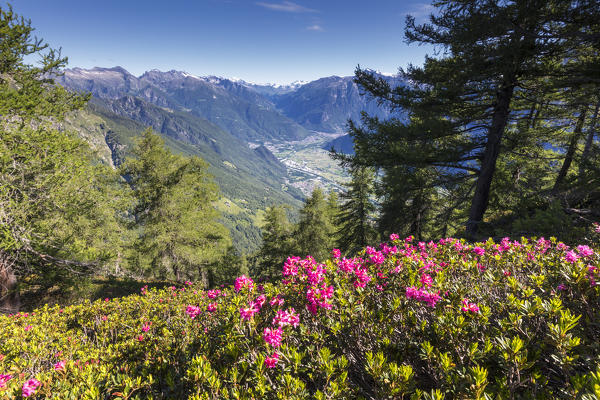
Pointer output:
x,y
356,214
227,268
315,231
468,128
277,242
179,235
59,209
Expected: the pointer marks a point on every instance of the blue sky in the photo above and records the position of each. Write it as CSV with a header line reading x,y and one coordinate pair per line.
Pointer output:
x,y
274,41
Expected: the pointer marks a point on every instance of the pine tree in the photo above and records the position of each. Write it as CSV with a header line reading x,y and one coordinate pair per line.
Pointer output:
x,y
458,109
356,216
314,231
277,242
333,215
59,209
179,232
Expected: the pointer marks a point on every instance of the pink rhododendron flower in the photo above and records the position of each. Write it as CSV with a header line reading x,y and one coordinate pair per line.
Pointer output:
x,y
377,258
290,268
271,362
336,253
284,318
362,277
3,380
506,273
104,318
188,283
370,250
479,250
561,287
394,236
140,338
28,328
469,307
277,301
243,282
248,312
346,265
316,275
273,336
193,311
571,256
426,280
211,294
146,326
259,301
30,387
596,228
585,251
211,307
422,295
317,298
60,366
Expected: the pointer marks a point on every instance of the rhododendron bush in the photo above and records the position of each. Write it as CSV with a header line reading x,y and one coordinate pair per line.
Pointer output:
x,y
408,320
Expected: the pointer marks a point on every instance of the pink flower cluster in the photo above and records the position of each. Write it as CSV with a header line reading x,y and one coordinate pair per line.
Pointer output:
x,y
290,267
3,380
247,313
313,274
193,311
479,250
284,318
362,277
423,295
271,362
426,280
30,387
317,298
211,307
277,301
585,251
469,307
243,282
273,336
60,366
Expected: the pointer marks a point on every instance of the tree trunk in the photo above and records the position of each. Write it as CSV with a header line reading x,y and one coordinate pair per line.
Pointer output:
x,y
589,141
481,196
9,294
204,278
564,169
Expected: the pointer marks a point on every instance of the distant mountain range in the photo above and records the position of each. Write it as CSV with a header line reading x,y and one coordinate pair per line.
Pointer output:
x,y
226,122
248,111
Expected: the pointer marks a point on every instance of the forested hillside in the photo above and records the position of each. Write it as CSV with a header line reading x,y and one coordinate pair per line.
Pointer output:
x,y
249,180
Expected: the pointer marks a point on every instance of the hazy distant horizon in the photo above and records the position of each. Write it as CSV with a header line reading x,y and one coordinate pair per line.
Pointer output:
x,y
272,41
